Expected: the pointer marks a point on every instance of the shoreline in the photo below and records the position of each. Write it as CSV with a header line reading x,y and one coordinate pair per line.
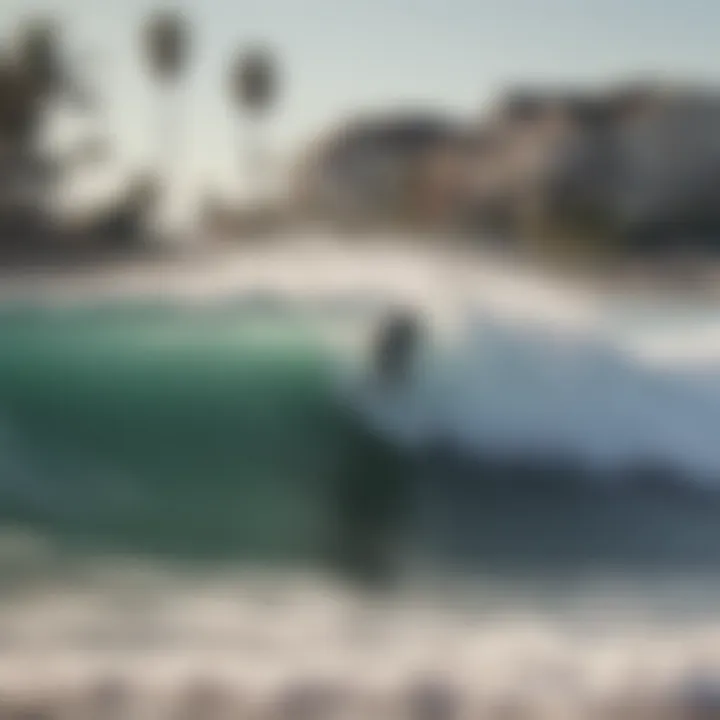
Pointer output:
x,y
151,270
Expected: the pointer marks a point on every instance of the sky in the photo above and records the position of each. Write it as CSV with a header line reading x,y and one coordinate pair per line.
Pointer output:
x,y
337,57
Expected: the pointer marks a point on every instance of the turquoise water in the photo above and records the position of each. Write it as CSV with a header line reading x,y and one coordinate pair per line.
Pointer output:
x,y
147,429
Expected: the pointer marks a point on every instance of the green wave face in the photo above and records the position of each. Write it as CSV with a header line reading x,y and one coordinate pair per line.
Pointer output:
x,y
195,432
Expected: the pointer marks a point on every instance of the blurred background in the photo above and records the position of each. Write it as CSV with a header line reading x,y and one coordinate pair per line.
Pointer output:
x,y
359,357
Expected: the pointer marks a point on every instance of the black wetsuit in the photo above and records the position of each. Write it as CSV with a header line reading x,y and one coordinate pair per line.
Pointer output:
x,y
371,492
396,346
371,504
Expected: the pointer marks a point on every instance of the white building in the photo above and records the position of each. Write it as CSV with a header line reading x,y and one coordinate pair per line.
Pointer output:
x,y
645,158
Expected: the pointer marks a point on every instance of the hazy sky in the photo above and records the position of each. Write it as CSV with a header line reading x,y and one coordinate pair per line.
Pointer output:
x,y
339,55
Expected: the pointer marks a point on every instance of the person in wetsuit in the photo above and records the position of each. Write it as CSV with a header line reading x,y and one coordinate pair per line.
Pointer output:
x,y
372,491
396,346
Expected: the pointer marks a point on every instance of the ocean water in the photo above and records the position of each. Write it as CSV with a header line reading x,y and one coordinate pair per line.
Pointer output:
x,y
183,454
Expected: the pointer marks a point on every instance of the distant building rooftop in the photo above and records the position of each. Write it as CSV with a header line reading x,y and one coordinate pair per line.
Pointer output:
x,y
402,131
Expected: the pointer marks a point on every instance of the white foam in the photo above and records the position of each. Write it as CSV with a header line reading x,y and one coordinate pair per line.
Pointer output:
x,y
259,643
538,368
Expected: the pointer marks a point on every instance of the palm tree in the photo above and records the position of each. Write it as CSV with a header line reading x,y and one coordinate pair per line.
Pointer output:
x,y
253,88
39,77
166,37
34,78
39,54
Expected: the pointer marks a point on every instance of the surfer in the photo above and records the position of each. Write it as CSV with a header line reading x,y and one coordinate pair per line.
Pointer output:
x,y
395,346
372,490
